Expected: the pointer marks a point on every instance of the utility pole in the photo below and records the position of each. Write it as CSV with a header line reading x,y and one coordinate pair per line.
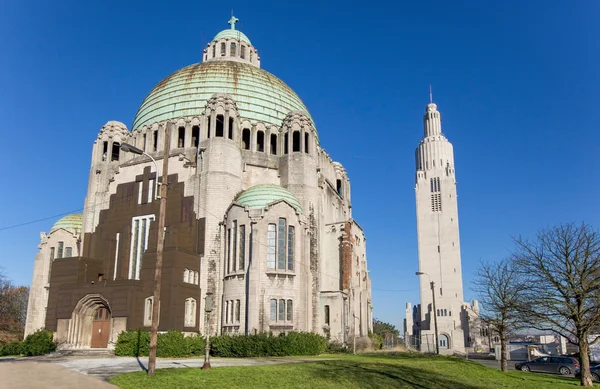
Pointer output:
x,y
160,243
208,303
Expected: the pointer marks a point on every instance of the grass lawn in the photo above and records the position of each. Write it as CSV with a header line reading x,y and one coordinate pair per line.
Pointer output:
x,y
348,371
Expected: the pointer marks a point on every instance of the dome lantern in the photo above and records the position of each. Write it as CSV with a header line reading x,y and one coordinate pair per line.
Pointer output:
x,y
231,45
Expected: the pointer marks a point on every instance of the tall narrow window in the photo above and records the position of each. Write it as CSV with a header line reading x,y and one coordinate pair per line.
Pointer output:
x,y
273,309
118,236
306,142
231,128
327,314
220,125
150,190
68,252
60,249
273,144
246,139
186,276
234,256
181,137
237,311
51,253
271,246
116,148
290,258
223,48
190,312
242,247
226,312
195,136
289,311
155,140
228,250
281,315
232,50
148,303
140,227
104,151
242,51
296,141
436,195
260,141
338,184
144,144
281,244
285,143
208,128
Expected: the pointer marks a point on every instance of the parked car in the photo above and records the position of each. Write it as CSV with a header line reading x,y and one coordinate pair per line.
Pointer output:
x,y
556,365
595,370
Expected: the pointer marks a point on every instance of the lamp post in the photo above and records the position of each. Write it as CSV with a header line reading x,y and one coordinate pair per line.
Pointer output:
x,y
434,312
160,243
208,303
126,147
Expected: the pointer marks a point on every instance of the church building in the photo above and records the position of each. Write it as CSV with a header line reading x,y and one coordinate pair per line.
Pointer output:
x,y
258,216
440,272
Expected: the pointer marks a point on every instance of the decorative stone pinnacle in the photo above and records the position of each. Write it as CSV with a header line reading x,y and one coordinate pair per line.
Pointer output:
x,y
233,21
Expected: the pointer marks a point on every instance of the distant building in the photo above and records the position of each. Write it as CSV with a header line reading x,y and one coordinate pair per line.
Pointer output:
x,y
438,247
258,215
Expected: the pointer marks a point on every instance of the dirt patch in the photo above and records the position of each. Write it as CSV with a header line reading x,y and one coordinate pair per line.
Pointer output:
x,y
9,337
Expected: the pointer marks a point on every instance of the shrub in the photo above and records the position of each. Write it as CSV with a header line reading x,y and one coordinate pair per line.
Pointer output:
x,y
40,342
133,343
14,348
172,344
376,340
266,345
196,345
336,348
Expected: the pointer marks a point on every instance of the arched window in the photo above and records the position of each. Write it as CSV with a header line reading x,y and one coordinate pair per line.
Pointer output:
x,y
223,49
232,51
181,137
296,141
186,275
260,141
285,143
220,126
443,341
196,277
195,136
148,303
306,142
246,139
190,312
273,144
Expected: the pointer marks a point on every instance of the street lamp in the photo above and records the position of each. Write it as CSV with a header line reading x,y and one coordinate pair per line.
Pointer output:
x,y
208,306
160,242
126,147
434,313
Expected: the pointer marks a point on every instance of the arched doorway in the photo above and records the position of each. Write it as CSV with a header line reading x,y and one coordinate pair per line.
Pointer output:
x,y
444,341
100,328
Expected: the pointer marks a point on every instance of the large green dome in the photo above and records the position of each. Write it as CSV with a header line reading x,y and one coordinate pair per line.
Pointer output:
x,y
259,95
259,196
72,223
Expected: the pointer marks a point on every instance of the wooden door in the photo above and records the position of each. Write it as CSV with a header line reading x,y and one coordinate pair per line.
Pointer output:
x,y
100,328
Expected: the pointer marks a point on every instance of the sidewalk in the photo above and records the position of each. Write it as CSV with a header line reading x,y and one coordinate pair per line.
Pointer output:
x,y
27,374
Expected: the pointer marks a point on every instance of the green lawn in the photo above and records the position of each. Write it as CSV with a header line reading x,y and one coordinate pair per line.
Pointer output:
x,y
364,371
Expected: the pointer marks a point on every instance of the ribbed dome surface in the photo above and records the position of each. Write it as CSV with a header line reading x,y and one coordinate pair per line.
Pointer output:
x,y
232,34
72,223
259,95
259,196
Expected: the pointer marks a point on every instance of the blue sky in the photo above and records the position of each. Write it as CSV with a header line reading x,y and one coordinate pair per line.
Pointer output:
x,y
517,83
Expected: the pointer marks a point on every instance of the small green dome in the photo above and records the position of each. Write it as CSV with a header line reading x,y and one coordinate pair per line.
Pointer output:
x,y
72,223
258,94
259,196
232,34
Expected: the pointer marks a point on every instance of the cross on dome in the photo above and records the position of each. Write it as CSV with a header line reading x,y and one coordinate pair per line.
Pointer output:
x,y
233,21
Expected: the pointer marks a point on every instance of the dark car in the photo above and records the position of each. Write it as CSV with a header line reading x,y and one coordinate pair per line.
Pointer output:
x,y
556,365
595,371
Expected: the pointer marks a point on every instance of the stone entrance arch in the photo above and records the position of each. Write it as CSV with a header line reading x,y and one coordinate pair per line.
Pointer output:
x,y
82,321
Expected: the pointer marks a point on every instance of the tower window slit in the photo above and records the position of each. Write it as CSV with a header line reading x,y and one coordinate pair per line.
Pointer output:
x,y
338,185
233,49
115,151
273,144
155,136
285,143
181,137
104,150
223,49
230,128
220,125
260,141
246,139
306,143
195,136
214,49
296,141
144,144
208,128
242,51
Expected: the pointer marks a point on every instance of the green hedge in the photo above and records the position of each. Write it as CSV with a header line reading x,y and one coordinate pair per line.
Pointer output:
x,y
266,345
173,344
39,343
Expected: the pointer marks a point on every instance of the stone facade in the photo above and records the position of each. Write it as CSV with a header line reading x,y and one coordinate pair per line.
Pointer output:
x,y
258,216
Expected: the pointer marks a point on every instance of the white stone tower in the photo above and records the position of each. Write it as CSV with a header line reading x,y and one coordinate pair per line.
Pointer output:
x,y
438,240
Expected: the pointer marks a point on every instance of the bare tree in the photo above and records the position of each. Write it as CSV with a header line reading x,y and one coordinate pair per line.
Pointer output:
x,y
561,271
499,291
13,305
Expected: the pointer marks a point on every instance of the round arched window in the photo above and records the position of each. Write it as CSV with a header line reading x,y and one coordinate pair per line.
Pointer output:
x,y
444,343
